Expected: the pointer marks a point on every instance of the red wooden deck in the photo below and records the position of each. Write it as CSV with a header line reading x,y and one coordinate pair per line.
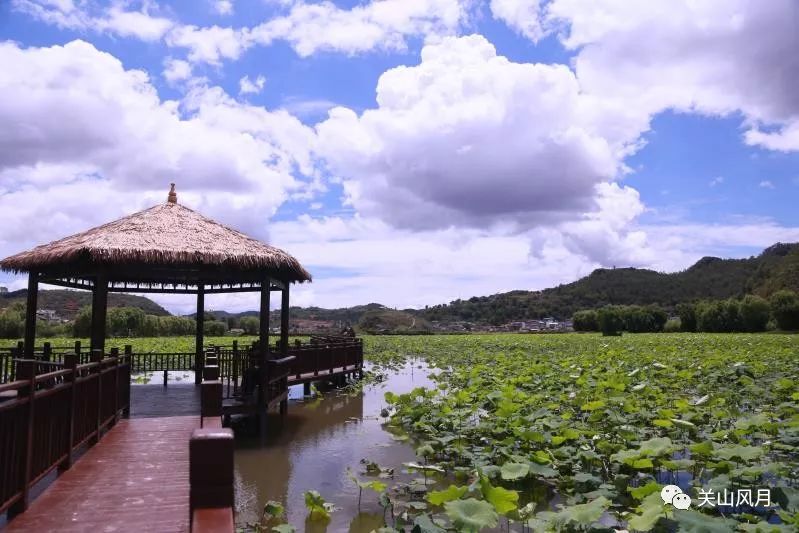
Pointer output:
x,y
135,479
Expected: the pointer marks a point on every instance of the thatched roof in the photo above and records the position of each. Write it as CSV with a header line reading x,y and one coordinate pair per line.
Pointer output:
x,y
167,235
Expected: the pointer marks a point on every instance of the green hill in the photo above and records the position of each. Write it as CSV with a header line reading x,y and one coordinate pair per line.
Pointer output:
x,y
777,267
385,320
712,278
67,303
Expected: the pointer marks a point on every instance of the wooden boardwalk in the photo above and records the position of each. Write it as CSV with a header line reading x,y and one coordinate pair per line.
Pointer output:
x,y
137,479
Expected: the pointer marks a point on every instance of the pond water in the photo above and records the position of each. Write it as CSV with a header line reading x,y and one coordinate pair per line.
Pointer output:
x,y
312,448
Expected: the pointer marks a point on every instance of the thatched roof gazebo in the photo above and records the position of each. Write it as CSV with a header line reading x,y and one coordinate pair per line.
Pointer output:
x,y
168,248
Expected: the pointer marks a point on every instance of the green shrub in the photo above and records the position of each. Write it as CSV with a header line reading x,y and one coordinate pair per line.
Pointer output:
x,y
611,320
586,320
215,328
672,326
754,313
722,316
250,324
785,309
687,313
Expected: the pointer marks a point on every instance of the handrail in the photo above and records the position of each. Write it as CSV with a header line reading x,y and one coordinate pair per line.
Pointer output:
x,y
52,375
14,385
52,415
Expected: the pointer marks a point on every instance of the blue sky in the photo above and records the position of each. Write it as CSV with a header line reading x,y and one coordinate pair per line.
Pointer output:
x,y
410,151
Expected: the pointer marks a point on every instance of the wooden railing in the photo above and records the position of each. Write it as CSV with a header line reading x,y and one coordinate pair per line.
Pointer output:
x,y
49,411
326,355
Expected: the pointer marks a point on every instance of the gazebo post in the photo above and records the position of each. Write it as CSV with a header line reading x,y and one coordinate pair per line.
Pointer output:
x,y
284,320
263,355
199,340
263,317
99,308
30,314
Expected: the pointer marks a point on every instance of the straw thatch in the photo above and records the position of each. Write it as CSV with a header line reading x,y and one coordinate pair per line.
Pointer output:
x,y
167,235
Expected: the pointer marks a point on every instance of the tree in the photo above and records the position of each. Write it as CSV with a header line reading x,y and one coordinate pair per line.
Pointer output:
x,y
250,324
687,314
82,327
585,320
754,313
659,317
12,324
215,328
785,308
610,319
722,316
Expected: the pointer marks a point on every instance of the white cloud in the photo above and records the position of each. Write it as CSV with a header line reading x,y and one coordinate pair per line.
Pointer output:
x,y
137,24
176,70
210,44
223,7
386,24
718,180
523,16
87,140
469,138
248,86
766,184
714,57
322,26
112,19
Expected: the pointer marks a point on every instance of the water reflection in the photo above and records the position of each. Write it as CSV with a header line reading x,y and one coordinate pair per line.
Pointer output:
x,y
312,449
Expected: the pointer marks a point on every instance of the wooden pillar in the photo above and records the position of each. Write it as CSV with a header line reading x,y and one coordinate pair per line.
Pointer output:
x,y
99,307
263,354
198,335
284,320
30,314
263,327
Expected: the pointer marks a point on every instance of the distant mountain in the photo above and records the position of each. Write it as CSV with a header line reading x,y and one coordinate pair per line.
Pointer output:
x,y
67,303
777,267
345,315
711,278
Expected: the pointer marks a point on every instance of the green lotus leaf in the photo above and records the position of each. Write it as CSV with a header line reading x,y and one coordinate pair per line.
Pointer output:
x,y
649,511
514,471
502,499
744,453
438,497
471,515
696,522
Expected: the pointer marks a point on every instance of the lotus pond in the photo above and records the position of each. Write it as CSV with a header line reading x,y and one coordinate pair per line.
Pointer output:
x,y
580,433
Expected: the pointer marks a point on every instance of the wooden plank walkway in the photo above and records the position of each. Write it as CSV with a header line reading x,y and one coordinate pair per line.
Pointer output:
x,y
135,479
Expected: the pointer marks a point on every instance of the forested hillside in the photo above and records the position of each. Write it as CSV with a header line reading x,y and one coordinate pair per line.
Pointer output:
x,y
710,278
67,303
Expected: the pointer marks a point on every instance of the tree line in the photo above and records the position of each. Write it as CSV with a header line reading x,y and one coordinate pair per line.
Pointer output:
x,y
748,314
120,322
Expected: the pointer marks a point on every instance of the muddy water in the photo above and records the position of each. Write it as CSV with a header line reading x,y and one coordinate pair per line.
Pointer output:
x,y
313,447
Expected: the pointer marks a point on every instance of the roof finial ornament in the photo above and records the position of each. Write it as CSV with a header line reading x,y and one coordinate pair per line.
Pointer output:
x,y
173,196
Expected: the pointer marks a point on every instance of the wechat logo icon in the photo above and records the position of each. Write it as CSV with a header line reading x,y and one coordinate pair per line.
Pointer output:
x,y
673,495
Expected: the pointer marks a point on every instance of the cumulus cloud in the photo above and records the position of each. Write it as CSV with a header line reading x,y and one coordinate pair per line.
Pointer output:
x,y
523,16
715,57
140,24
223,7
311,27
469,138
177,70
322,26
82,128
248,86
